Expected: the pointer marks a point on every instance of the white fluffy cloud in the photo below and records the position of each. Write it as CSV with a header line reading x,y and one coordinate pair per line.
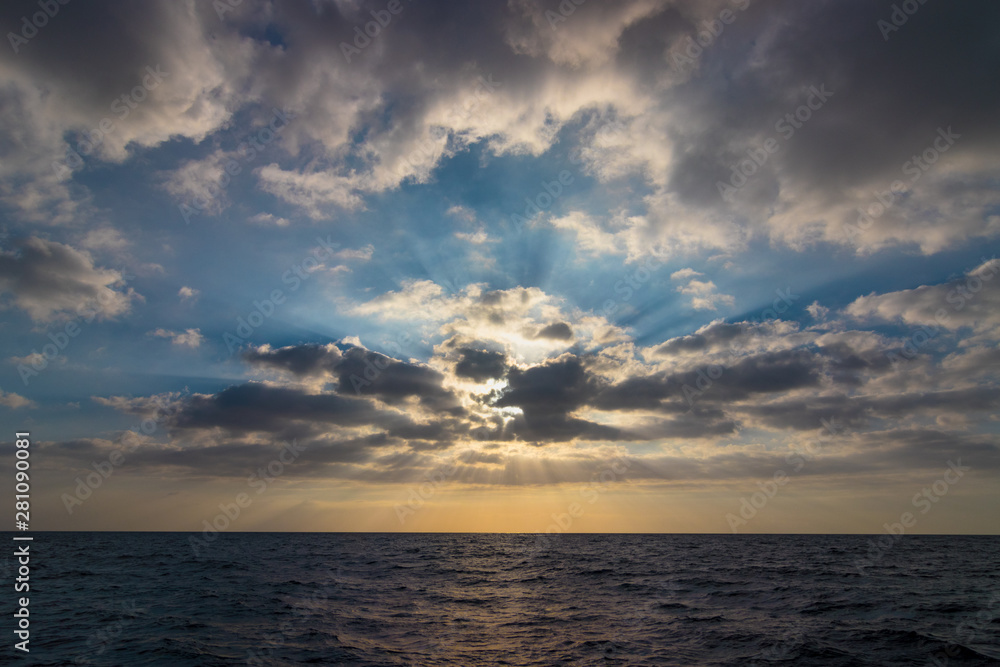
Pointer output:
x,y
188,294
188,338
971,301
15,401
516,320
704,293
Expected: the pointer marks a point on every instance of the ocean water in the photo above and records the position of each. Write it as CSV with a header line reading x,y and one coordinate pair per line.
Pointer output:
x,y
469,600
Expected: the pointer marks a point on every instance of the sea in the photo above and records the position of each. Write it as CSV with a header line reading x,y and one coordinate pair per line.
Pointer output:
x,y
172,599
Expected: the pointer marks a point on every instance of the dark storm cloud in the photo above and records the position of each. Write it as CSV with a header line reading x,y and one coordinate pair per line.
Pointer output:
x,y
765,373
810,414
715,334
889,93
433,431
373,374
480,365
234,457
553,388
771,372
360,372
916,449
365,459
540,428
848,366
554,395
549,392
259,407
50,280
901,84
637,393
694,423
546,394
300,360
96,75
956,401
556,331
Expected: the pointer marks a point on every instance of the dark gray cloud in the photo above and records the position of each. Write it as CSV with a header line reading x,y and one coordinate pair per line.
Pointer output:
x,y
556,331
52,280
553,388
811,413
260,407
647,392
372,374
716,334
360,372
301,360
889,98
848,366
546,394
871,455
716,383
956,401
890,94
481,365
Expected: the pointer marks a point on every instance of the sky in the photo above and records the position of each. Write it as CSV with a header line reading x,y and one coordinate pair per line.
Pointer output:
x,y
721,266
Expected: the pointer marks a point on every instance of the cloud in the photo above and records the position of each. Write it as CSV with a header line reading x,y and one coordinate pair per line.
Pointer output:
x,y
319,194
35,358
684,274
704,294
463,213
477,237
257,406
590,237
539,387
189,338
369,373
268,219
375,459
197,183
816,311
15,401
556,331
364,254
180,83
546,395
725,390
717,335
53,281
972,300
361,372
188,294
511,320
104,238
299,360
579,36
533,78
480,365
